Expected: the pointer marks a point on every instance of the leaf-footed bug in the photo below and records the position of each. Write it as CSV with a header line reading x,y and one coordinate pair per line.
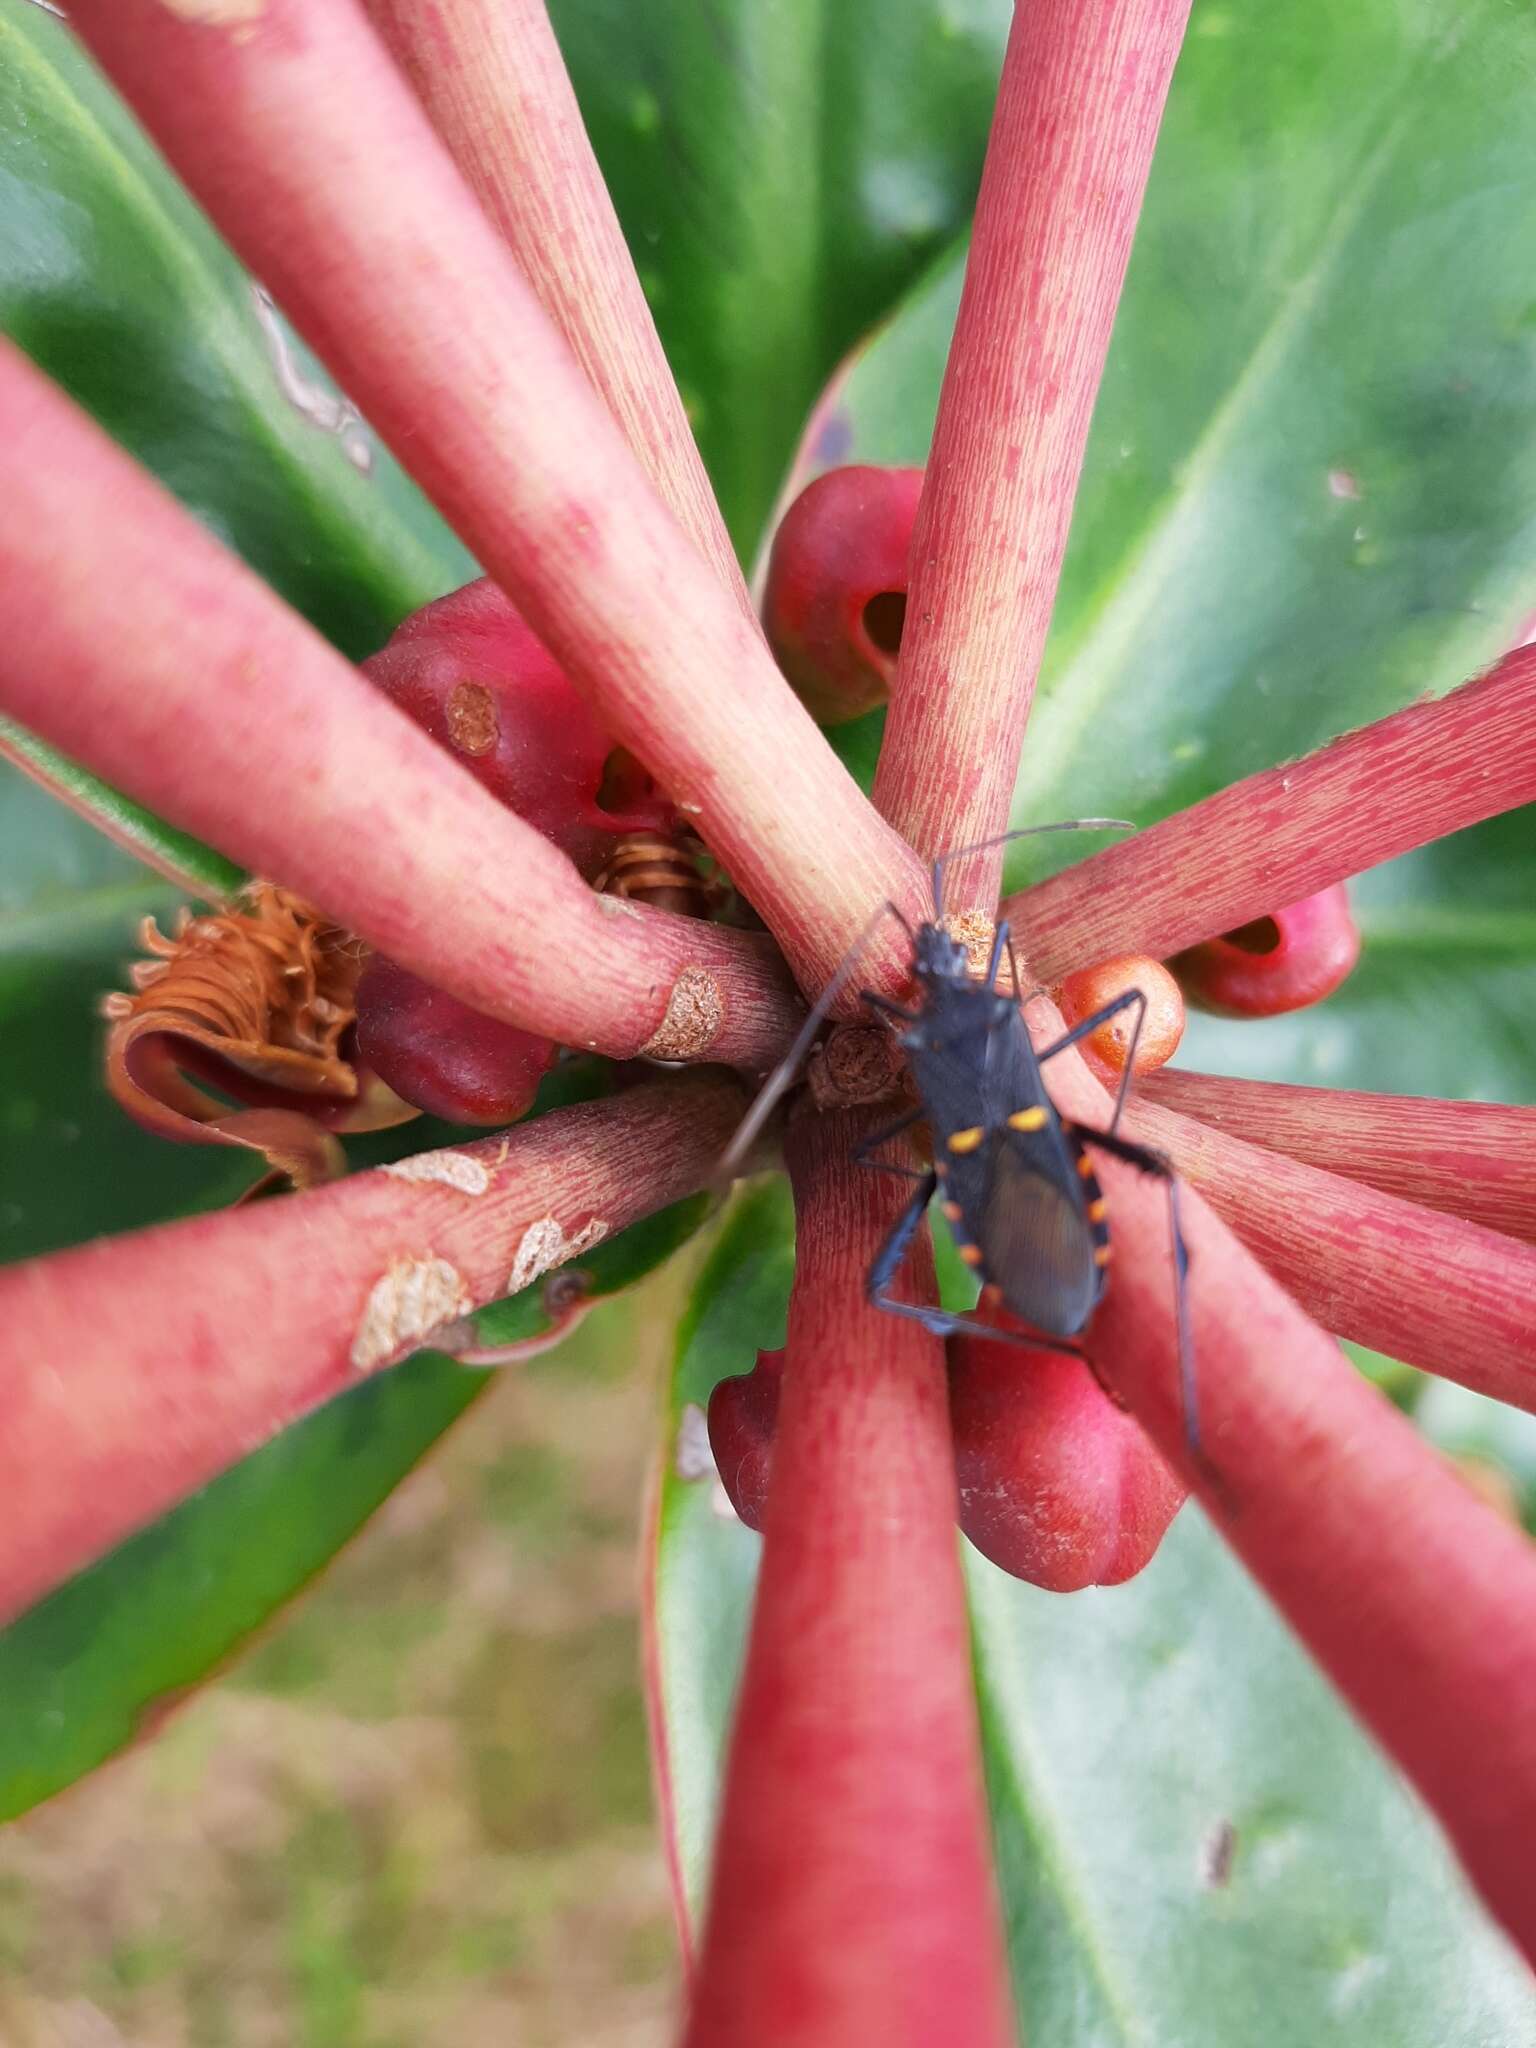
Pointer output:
x,y
1019,1191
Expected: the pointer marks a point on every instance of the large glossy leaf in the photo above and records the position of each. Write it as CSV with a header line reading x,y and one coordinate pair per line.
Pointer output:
x,y
177,855
1310,491
783,171
1195,1841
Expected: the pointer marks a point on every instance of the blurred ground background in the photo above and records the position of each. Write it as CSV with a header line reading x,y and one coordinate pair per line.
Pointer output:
x,y
418,1811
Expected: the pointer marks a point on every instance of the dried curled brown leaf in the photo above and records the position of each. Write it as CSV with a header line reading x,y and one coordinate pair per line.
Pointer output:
x,y
255,1002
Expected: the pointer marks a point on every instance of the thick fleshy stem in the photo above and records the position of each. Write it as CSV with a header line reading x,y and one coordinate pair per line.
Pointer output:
x,y
1416,1597
131,1384
852,1898
326,176
1290,831
137,644
491,77
1471,1159
1060,196
1448,1296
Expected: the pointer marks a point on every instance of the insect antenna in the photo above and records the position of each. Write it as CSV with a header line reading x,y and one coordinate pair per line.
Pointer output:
x,y
784,1073
1007,839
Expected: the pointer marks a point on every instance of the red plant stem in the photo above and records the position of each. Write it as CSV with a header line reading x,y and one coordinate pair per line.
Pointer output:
x,y
491,77
1078,110
1290,831
1417,1598
136,644
852,1899
324,173
1427,1288
1471,1159
142,1366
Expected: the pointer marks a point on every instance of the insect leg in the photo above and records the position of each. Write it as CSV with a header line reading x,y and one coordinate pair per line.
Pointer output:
x,y
1154,1163
1086,1028
1013,968
1002,939
886,1007
943,1322
1027,1340
939,1322
876,1139
894,1250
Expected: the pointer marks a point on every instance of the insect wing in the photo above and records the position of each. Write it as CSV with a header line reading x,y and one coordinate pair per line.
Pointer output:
x,y
1035,1241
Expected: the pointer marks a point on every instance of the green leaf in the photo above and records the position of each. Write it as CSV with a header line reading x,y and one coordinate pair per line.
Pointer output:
x,y
1137,1740
782,172
86,1669
129,825
1310,491
115,284
704,1561
83,1671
